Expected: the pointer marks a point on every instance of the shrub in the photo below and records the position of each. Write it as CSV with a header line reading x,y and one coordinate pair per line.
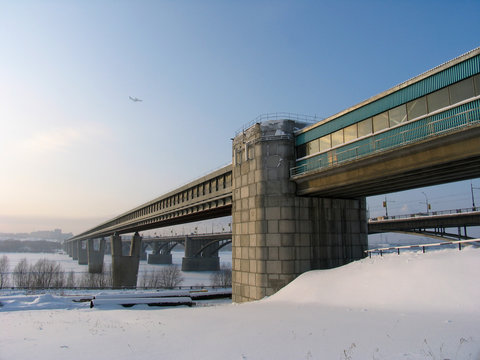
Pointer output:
x,y
46,274
223,277
96,281
21,276
4,271
168,277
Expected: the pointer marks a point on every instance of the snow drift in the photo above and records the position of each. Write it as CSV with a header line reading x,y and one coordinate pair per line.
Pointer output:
x,y
408,306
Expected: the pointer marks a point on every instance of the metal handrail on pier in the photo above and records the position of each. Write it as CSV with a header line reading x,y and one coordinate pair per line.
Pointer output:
x,y
423,246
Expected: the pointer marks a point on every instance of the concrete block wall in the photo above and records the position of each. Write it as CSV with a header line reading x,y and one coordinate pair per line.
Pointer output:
x,y
276,234
340,231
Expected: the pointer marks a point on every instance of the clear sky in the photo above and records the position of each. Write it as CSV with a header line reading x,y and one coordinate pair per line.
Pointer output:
x,y
74,150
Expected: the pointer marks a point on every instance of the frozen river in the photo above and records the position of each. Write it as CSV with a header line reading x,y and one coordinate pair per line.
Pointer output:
x,y
191,278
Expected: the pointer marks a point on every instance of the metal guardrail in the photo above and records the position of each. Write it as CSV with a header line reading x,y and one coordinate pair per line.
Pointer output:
x,y
309,119
429,214
410,132
422,246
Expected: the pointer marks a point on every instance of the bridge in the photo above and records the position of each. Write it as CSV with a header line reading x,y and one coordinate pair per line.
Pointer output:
x,y
434,224
201,250
296,190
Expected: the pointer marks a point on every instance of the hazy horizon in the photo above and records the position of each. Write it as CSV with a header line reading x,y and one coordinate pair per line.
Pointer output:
x,y
75,150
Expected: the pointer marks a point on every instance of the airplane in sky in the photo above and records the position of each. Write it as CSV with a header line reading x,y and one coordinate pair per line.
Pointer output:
x,y
134,99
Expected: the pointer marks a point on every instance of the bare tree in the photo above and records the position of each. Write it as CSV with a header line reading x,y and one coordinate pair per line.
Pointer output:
x,y
98,280
168,277
4,266
150,279
46,274
21,276
70,282
223,277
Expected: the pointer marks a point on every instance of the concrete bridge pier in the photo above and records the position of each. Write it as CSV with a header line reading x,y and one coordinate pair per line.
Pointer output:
x,y
125,267
74,245
143,252
68,248
160,255
82,252
95,251
197,259
278,235
164,259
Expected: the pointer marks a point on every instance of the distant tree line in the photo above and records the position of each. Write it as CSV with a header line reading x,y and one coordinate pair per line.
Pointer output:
x,y
29,246
49,274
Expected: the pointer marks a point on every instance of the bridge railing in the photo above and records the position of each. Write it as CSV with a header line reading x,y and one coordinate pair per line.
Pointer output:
x,y
424,128
426,214
397,249
309,119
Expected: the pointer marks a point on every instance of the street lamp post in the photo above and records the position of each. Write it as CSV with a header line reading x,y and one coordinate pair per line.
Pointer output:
x,y
473,198
426,202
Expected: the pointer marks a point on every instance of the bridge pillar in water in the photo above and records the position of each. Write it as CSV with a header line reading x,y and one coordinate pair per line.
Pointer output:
x,y
68,248
197,260
143,253
278,235
74,245
96,251
159,257
165,259
125,267
82,252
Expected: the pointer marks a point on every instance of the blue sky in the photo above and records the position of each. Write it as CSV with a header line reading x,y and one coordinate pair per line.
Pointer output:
x,y
74,150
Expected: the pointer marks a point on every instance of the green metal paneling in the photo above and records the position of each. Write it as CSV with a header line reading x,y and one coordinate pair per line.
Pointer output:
x,y
423,87
454,118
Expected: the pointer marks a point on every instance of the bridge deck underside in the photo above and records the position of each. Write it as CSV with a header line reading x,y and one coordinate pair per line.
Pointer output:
x,y
150,224
447,158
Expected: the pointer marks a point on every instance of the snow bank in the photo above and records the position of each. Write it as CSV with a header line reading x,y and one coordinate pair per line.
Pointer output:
x,y
37,302
443,280
410,306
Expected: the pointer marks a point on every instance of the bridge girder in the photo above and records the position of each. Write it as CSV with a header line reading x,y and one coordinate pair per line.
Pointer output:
x,y
445,158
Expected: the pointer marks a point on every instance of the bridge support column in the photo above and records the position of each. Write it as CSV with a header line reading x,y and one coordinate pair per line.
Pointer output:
x,y
125,268
197,260
278,235
95,250
68,248
164,259
74,245
82,252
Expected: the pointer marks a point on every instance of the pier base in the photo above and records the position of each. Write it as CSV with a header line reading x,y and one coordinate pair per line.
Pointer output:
x,y
201,264
125,268
82,253
164,259
96,251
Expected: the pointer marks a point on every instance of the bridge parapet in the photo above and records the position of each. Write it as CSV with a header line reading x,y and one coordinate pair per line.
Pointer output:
x,y
207,197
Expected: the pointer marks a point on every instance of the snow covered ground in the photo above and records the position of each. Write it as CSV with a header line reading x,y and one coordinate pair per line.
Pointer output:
x,y
408,306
